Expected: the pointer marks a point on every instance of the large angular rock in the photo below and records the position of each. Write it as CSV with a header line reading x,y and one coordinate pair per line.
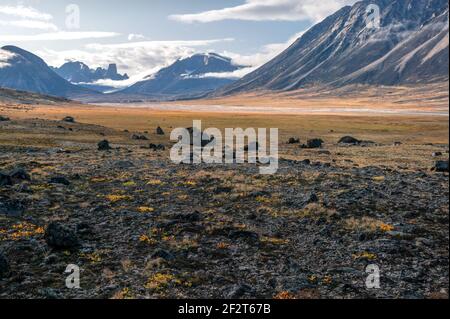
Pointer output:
x,y
60,237
441,166
349,140
103,146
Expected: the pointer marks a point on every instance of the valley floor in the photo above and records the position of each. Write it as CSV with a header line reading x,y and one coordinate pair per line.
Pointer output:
x,y
148,228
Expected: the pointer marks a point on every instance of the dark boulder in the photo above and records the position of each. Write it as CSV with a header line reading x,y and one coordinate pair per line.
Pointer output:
x,y
103,146
4,266
59,180
4,118
159,131
164,254
5,179
19,174
441,166
11,208
313,143
60,237
294,140
156,148
349,140
437,154
69,119
137,137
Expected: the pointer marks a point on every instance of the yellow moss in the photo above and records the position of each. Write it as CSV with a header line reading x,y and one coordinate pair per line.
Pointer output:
x,y
275,241
284,295
125,293
159,281
147,240
378,178
144,209
364,255
154,182
118,198
129,184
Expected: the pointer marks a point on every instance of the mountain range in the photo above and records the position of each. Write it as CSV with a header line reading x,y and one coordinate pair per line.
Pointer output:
x,y
188,77
410,46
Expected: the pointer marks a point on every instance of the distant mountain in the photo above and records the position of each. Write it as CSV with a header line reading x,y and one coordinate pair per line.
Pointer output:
x,y
196,75
78,72
411,46
22,70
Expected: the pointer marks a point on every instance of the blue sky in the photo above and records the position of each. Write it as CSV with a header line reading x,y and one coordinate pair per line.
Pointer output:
x,y
143,36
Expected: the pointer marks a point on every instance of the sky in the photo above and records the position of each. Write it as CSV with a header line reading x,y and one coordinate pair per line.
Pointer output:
x,y
143,36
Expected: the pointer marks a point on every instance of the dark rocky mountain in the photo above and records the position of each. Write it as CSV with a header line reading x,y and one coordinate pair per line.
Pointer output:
x,y
411,46
24,71
192,76
78,72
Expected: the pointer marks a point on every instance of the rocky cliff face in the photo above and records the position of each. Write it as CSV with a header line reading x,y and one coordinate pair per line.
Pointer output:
x,y
78,72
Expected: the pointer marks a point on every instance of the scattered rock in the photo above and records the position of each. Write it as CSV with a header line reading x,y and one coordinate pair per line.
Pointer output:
x,y
60,237
4,267
14,176
159,131
11,208
5,179
59,180
156,148
294,140
245,235
69,119
239,291
4,118
441,166
436,154
19,174
139,137
104,146
349,140
313,143
164,254
397,143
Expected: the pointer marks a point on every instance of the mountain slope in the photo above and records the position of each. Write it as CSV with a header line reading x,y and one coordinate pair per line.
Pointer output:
x,y
24,71
78,72
410,46
191,76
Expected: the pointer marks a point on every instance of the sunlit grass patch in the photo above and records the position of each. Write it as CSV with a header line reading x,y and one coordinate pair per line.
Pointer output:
x,y
118,198
155,182
21,231
367,224
364,256
145,209
129,184
161,281
125,294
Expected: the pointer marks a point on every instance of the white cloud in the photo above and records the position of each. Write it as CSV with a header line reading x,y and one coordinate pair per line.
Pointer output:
x,y
30,24
268,10
60,35
134,37
25,12
5,56
138,59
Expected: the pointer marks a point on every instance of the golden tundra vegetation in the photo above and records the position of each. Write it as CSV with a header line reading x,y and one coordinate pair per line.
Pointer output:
x,y
148,228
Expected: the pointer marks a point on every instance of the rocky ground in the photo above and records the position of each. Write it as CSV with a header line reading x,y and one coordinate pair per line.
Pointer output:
x,y
140,226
